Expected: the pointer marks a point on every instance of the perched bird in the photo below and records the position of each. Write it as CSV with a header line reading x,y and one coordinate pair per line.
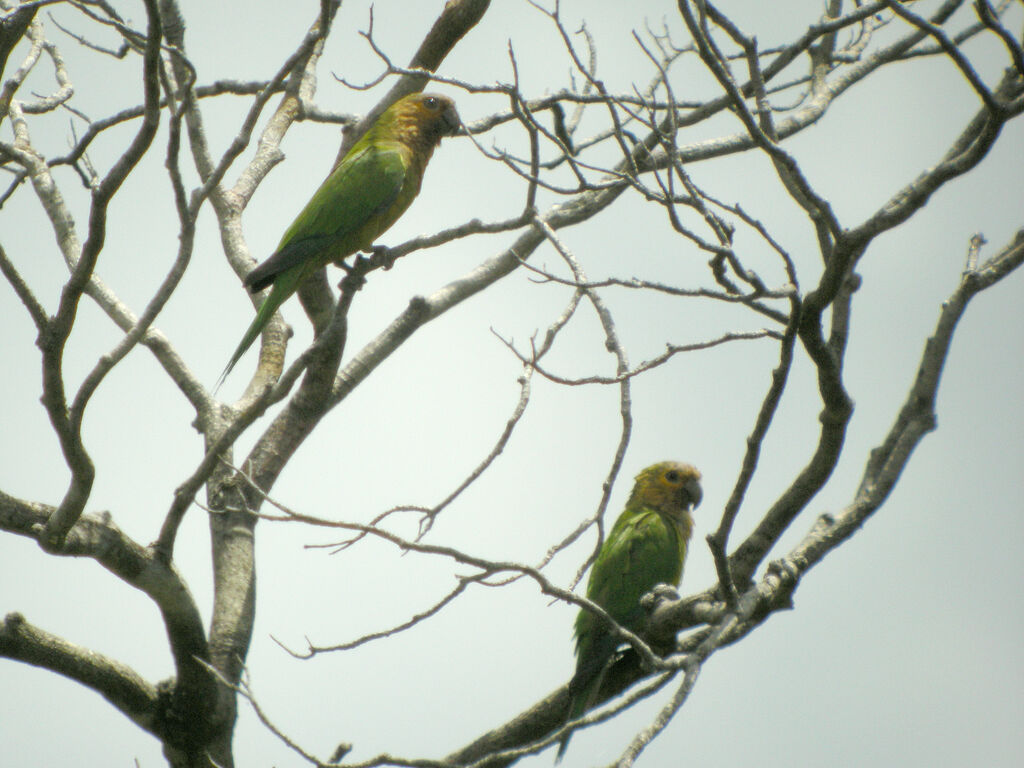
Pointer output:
x,y
646,547
365,194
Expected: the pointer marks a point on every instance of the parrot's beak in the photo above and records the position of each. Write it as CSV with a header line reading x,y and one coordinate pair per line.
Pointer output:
x,y
696,493
451,121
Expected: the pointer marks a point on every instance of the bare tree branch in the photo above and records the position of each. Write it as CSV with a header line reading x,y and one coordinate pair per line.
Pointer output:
x,y
117,683
67,423
574,150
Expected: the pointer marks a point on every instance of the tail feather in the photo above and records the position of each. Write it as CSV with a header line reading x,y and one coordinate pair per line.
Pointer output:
x,y
582,700
586,682
263,315
250,336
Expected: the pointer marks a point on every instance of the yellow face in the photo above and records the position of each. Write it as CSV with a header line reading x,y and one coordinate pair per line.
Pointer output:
x,y
433,109
670,487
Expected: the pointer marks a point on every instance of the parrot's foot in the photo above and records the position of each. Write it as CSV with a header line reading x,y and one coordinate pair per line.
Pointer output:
x,y
784,569
788,575
383,255
662,593
355,275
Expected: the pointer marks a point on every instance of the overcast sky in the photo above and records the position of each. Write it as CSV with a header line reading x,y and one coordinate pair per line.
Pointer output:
x,y
904,645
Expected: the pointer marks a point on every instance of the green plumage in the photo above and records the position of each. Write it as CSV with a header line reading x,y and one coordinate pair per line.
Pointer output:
x,y
646,547
365,194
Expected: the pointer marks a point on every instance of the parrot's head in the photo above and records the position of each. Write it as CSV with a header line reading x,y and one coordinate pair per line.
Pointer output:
x,y
671,487
422,118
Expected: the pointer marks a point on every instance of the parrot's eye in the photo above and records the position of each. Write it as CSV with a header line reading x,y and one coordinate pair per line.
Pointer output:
x,y
672,476
430,102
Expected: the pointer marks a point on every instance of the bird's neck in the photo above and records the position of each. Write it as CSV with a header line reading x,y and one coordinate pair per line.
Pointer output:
x,y
684,523
412,133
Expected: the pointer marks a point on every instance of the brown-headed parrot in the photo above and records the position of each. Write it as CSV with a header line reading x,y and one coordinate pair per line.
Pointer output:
x,y
366,193
646,547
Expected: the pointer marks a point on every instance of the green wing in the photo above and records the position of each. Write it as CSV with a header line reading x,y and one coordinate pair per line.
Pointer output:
x,y
347,212
642,550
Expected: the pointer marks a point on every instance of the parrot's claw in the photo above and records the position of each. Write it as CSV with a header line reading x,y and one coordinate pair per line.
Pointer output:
x,y
662,593
384,255
788,575
784,569
354,279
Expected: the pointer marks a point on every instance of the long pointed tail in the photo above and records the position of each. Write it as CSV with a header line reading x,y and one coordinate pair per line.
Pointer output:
x,y
263,314
594,651
562,746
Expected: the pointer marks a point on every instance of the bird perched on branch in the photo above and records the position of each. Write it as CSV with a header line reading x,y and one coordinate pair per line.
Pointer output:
x,y
366,193
646,547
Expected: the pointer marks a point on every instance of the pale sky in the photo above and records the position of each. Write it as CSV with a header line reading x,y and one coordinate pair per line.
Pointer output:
x,y
903,647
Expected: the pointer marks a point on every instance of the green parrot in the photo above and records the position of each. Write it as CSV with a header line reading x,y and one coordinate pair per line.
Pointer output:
x,y
365,194
646,547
